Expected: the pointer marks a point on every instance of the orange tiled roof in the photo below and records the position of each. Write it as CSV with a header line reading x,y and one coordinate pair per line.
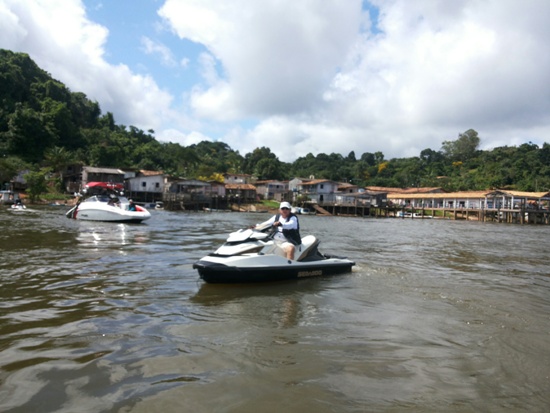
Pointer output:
x,y
421,190
150,173
316,181
240,186
469,194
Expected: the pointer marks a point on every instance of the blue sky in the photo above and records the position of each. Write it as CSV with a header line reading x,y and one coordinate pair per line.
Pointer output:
x,y
138,38
299,77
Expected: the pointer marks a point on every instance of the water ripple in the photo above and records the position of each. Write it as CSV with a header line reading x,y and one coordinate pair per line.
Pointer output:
x,y
435,315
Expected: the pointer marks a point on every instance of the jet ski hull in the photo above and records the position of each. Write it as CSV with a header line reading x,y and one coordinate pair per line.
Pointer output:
x,y
217,272
250,256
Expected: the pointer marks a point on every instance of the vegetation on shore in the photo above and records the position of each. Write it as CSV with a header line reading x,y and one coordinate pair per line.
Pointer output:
x,y
44,127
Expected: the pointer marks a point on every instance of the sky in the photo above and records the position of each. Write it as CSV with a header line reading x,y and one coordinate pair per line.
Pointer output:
x,y
301,76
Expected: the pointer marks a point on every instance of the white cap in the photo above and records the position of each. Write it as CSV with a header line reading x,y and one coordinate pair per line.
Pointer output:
x,y
285,205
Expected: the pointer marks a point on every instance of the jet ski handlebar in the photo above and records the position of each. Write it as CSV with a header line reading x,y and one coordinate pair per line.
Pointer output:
x,y
244,234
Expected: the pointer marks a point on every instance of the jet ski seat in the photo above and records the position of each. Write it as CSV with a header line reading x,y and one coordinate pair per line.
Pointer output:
x,y
307,247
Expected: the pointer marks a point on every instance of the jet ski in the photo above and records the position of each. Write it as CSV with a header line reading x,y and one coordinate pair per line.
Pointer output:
x,y
251,255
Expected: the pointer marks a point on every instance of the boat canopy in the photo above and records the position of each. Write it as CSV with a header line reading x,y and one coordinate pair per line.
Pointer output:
x,y
106,185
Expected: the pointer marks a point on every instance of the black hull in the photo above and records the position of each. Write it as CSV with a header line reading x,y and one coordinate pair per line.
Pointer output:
x,y
223,274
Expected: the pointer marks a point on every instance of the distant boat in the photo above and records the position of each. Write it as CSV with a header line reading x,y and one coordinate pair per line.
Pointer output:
x,y
215,210
306,211
18,206
401,214
107,207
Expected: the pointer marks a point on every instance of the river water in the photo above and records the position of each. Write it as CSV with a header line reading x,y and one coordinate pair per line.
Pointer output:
x,y
437,315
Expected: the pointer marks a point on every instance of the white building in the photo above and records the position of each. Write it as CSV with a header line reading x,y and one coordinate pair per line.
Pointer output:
x,y
146,186
319,190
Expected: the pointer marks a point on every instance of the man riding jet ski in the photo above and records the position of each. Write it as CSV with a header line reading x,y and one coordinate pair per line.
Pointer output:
x,y
252,255
287,234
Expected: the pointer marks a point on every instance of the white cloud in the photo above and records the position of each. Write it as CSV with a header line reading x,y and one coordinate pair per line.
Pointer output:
x,y
318,82
277,56
185,62
156,48
176,136
60,39
310,76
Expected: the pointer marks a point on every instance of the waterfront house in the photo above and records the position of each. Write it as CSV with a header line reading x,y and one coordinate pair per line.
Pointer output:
x,y
190,186
190,190
94,174
217,189
491,199
241,193
238,178
362,198
344,187
72,178
320,191
295,188
295,185
272,189
146,186
414,190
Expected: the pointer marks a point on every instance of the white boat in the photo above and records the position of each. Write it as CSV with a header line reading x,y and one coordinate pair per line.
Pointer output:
x,y
252,256
306,211
401,214
107,207
18,206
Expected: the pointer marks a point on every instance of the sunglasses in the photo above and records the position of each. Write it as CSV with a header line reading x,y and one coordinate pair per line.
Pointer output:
x,y
284,208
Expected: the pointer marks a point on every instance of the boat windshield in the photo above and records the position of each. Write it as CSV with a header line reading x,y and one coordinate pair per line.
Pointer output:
x,y
98,198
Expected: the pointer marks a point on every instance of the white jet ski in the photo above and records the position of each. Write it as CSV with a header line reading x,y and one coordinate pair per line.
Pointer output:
x,y
251,255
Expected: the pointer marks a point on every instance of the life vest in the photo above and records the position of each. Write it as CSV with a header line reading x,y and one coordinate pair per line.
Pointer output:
x,y
292,235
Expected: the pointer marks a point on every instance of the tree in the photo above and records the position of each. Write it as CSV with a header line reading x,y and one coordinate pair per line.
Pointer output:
x,y
263,163
27,135
267,168
9,166
464,148
36,184
369,158
58,158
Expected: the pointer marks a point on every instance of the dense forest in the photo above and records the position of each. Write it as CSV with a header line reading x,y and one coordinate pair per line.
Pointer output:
x,y
44,127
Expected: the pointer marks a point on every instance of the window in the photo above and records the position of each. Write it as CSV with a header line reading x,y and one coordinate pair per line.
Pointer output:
x,y
157,185
143,184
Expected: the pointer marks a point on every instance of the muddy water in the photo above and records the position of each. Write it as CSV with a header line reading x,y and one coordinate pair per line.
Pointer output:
x,y
436,316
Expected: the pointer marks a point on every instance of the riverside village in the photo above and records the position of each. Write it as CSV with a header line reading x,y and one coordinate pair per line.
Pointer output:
x,y
245,193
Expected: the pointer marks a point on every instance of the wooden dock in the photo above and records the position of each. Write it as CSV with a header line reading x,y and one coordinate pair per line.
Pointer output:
x,y
175,202
512,216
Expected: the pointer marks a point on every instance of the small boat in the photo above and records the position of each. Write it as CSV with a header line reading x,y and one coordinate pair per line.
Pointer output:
x,y
108,206
306,211
401,214
250,256
18,206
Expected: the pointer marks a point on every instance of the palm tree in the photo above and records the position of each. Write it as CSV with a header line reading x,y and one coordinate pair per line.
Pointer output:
x,y
57,158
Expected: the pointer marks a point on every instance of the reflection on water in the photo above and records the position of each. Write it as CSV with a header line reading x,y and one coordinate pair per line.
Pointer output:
x,y
436,315
105,235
